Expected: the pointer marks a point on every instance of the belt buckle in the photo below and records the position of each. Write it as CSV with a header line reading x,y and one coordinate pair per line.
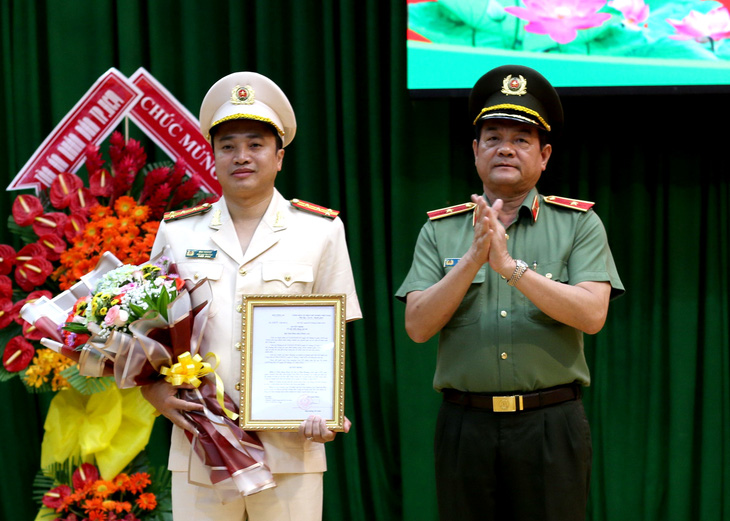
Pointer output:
x,y
507,403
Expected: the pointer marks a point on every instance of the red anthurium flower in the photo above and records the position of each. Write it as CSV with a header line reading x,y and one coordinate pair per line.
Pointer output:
x,y
6,287
6,312
63,187
30,332
84,476
74,227
7,259
30,251
53,244
32,273
35,295
18,354
82,201
54,497
15,311
26,208
101,183
53,222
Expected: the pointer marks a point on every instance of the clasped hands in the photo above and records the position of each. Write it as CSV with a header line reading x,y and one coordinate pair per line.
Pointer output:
x,y
490,241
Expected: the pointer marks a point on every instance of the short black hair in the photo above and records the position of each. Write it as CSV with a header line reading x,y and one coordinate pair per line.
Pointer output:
x,y
279,142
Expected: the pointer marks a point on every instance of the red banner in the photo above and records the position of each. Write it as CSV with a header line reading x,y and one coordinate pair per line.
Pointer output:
x,y
171,126
91,120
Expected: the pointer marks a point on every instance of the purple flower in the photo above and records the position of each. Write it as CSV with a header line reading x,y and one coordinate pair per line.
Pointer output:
x,y
715,25
560,19
635,12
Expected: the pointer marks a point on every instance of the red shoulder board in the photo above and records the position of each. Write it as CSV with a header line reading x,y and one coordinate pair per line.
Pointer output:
x,y
451,210
575,204
314,208
187,212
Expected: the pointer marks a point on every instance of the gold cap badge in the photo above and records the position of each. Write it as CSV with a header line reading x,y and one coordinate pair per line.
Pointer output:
x,y
512,86
242,95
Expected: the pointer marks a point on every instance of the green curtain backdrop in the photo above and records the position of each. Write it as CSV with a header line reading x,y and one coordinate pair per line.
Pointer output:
x,y
655,164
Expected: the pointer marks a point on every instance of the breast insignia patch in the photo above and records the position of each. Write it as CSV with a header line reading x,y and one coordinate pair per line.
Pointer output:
x,y
449,211
187,212
314,208
575,204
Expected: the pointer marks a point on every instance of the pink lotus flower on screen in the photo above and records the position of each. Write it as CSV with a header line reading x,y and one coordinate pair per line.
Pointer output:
x,y
702,28
635,12
560,19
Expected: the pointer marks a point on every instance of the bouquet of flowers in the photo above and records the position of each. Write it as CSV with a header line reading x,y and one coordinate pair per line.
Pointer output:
x,y
83,495
140,323
65,229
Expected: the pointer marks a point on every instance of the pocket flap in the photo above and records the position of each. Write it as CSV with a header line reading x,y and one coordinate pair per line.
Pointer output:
x,y
198,270
287,272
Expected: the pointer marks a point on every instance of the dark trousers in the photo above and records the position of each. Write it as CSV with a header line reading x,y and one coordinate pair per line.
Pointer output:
x,y
527,466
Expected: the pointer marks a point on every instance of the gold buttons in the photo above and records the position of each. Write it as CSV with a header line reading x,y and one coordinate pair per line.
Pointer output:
x,y
242,271
548,275
238,386
504,356
287,278
196,276
506,236
503,313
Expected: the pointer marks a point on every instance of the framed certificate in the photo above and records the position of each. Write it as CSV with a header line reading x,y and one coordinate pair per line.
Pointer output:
x,y
292,361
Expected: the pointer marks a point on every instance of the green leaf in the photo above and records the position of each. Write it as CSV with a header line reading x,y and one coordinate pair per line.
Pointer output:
x,y
25,233
163,302
76,327
86,384
139,311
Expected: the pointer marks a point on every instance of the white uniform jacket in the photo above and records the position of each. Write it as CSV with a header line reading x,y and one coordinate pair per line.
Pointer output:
x,y
291,252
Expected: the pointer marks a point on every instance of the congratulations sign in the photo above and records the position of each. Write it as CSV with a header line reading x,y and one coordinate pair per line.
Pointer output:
x,y
172,127
90,121
112,97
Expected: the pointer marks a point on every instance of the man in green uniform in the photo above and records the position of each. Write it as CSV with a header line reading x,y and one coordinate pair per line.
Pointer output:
x,y
511,281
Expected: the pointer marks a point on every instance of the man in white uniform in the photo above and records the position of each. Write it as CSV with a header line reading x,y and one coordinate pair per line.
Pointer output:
x,y
252,241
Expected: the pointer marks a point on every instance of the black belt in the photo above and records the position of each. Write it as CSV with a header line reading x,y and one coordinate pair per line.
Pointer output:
x,y
502,402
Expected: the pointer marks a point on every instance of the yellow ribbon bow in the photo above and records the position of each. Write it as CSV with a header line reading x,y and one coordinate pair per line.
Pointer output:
x,y
190,369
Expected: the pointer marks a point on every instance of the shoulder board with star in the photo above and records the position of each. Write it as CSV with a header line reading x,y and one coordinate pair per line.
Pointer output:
x,y
187,212
450,210
314,208
575,204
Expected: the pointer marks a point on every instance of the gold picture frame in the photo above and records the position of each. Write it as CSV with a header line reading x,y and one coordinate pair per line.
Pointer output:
x,y
292,361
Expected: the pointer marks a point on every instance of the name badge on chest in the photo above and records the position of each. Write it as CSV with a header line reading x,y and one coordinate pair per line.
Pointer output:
x,y
201,254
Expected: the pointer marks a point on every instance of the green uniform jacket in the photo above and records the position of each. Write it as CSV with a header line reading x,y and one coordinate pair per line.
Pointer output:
x,y
497,340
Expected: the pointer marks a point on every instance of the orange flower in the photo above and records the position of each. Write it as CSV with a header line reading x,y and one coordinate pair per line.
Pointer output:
x,y
93,504
138,481
127,226
92,232
99,212
109,222
151,227
140,214
103,489
125,205
121,482
147,501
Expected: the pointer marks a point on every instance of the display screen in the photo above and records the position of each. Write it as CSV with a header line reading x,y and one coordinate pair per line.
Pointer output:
x,y
574,43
